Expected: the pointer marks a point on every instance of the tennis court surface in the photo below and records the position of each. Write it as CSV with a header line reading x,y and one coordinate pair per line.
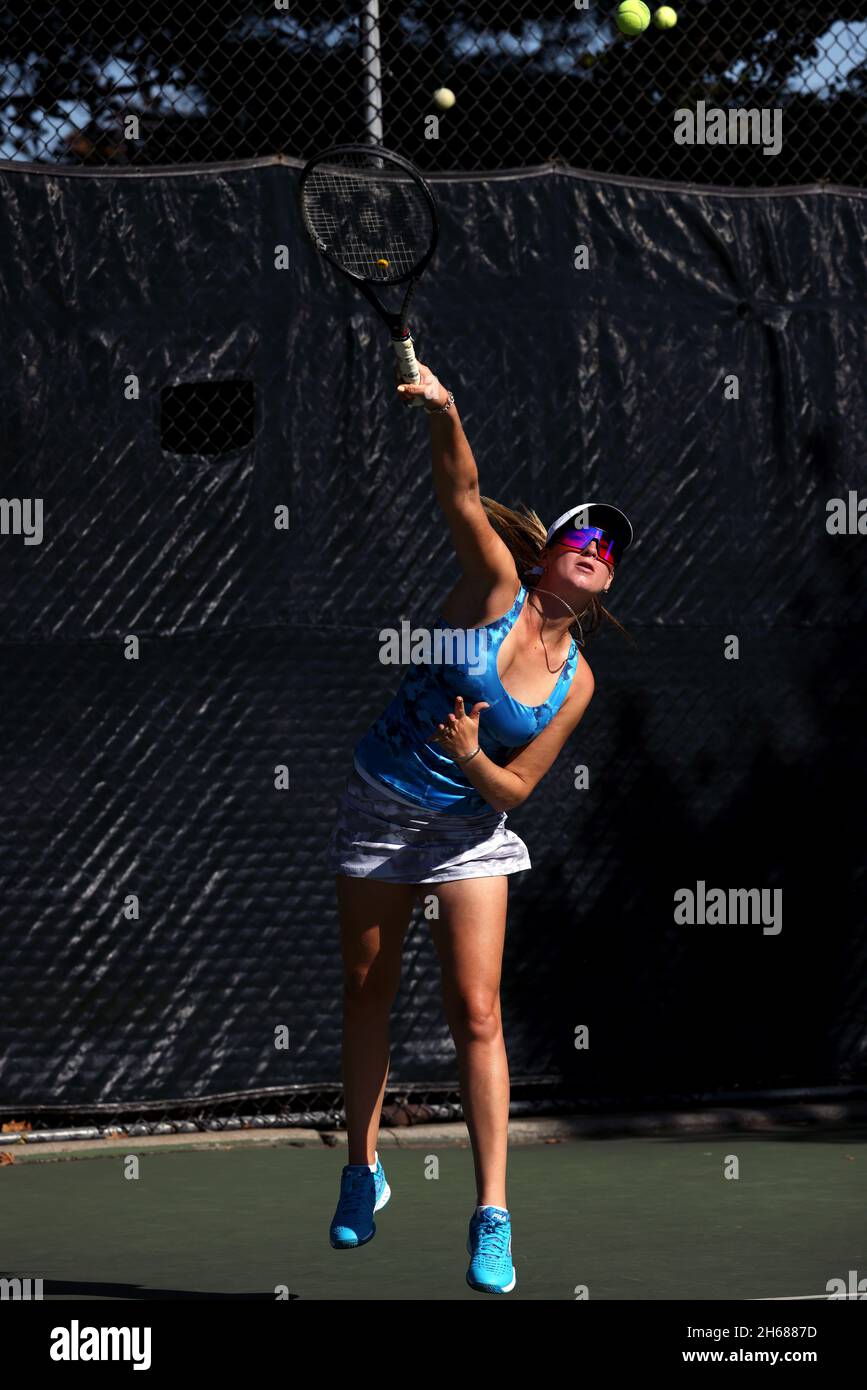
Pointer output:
x,y
625,1218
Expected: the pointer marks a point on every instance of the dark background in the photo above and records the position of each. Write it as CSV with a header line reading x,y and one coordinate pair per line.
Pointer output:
x,y
259,648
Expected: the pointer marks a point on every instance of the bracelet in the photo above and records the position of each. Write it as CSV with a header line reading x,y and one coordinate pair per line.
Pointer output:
x,y
441,409
468,756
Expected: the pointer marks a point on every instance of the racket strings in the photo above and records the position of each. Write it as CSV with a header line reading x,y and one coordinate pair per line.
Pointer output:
x,y
375,222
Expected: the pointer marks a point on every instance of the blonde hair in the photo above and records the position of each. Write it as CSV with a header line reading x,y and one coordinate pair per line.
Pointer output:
x,y
525,535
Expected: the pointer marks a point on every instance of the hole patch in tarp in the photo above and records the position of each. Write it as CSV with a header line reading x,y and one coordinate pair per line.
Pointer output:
x,y
207,418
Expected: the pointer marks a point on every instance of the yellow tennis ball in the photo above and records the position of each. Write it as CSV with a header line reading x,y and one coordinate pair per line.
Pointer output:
x,y
383,261
665,17
444,98
632,17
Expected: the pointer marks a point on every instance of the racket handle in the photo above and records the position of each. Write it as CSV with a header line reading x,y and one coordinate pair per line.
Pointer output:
x,y
407,366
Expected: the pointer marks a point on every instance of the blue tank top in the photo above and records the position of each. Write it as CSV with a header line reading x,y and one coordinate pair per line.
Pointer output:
x,y
398,752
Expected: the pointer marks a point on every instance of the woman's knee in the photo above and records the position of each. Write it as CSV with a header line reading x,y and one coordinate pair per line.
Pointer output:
x,y
370,984
475,1016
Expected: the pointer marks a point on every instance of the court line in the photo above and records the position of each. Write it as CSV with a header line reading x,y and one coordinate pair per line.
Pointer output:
x,y
803,1297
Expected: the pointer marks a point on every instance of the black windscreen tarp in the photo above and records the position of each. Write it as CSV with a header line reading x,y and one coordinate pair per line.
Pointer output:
x,y
167,648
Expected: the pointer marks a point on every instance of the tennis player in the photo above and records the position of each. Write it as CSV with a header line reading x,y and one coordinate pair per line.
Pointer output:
x,y
424,811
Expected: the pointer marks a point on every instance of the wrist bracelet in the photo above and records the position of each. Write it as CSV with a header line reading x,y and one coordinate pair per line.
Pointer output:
x,y
468,756
441,409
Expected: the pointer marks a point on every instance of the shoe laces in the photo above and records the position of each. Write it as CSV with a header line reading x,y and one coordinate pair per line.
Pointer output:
x,y
492,1237
354,1195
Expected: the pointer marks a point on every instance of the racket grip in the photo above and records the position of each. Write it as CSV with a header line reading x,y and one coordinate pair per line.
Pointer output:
x,y
407,366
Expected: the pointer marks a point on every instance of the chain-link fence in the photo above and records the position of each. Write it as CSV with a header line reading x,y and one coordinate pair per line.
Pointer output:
x,y
416,1103
100,82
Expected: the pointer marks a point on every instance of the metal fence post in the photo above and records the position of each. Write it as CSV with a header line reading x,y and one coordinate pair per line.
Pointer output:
x,y
371,72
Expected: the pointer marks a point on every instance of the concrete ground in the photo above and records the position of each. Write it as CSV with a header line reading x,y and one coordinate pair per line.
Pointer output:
x,y
790,1119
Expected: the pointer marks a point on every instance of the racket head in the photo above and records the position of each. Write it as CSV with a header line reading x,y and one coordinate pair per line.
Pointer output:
x,y
369,212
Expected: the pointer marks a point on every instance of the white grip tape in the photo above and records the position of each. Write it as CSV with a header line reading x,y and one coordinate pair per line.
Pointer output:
x,y
407,365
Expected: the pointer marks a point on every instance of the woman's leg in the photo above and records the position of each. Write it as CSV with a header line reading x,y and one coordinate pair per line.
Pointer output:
x,y
374,916
469,938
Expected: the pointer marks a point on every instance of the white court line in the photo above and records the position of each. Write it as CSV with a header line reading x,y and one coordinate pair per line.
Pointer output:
x,y
802,1298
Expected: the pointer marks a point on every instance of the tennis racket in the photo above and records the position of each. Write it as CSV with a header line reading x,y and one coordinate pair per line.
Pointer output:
x,y
371,214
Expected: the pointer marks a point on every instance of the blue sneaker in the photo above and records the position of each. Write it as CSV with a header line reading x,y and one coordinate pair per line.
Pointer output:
x,y
361,1194
489,1246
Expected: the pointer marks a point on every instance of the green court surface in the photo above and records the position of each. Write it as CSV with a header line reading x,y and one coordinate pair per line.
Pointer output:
x,y
630,1218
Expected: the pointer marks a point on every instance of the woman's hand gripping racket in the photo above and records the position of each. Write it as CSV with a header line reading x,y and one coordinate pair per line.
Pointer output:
x,y
371,214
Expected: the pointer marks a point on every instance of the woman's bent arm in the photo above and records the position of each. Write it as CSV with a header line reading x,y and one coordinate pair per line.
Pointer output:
x,y
504,788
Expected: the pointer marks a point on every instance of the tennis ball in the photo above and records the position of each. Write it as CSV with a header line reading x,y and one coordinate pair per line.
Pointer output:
x,y
444,98
665,17
632,17
383,261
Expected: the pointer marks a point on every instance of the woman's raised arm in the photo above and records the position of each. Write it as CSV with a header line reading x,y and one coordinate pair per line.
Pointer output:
x,y
482,555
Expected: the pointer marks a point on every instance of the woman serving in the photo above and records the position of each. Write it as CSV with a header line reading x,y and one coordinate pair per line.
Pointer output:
x,y
461,743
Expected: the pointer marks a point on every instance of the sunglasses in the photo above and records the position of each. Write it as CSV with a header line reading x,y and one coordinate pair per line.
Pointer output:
x,y
607,546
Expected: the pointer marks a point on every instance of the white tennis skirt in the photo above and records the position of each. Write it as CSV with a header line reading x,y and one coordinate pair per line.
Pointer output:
x,y
376,836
